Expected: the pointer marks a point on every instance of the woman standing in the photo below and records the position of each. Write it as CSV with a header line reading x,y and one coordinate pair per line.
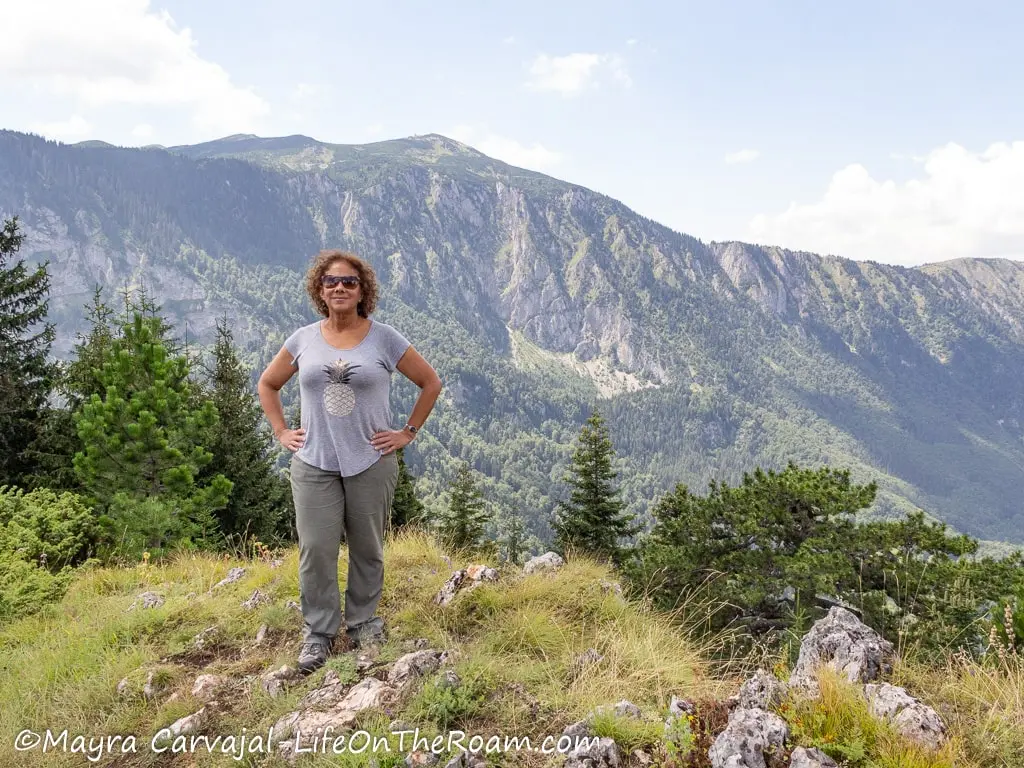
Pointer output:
x,y
344,468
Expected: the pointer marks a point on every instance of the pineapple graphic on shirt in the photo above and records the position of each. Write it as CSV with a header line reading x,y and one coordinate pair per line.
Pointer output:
x,y
339,399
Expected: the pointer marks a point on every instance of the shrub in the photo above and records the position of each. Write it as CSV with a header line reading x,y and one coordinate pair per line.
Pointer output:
x,y
43,535
42,526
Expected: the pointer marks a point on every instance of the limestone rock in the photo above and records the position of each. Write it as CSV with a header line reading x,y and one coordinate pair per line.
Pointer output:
x,y
466,760
750,735
275,682
549,561
678,707
479,573
233,575
578,730
911,717
255,600
810,758
762,691
205,686
464,579
365,662
340,715
151,689
185,725
330,691
147,600
414,665
596,753
261,634
845,643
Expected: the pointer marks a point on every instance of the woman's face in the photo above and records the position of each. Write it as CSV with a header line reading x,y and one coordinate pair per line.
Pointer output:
x,y
340,289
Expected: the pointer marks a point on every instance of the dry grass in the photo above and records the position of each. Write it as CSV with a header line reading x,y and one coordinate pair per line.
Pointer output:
x,y
840,723
517,644
983,704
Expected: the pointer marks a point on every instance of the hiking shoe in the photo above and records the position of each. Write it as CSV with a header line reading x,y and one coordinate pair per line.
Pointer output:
x,y
313,655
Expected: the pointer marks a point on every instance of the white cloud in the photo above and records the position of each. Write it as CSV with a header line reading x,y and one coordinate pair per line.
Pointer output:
x,y
742,156
536,157
304,91
115,52
142,131
76,127
510,40
575,72
962,204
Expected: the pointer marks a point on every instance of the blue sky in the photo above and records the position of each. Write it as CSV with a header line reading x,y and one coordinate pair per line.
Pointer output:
x,y
887,131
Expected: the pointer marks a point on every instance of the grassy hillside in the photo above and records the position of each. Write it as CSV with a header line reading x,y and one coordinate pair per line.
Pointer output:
x,y
516,642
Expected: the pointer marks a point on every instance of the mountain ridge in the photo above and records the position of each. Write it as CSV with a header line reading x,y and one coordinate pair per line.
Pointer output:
x,y
709,357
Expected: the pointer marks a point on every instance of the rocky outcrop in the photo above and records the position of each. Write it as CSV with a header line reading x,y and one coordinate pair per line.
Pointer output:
x,y
912,718
810,758
147,600
206,686
183,726
762,691
750,740
597,753
255,600
275,683
327,708
844,643
412,666
464,579
549,561
233,575
847,645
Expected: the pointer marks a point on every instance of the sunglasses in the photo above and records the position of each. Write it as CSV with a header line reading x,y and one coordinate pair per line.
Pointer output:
x,y
332,281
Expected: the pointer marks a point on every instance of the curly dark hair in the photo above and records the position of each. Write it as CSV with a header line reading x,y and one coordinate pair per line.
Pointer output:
x,y
367,280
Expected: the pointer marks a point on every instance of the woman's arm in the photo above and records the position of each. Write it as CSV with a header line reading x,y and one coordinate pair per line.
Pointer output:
x,y
421,373
276,375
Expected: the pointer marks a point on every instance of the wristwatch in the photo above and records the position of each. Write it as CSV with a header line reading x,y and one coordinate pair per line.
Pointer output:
x,y
411,428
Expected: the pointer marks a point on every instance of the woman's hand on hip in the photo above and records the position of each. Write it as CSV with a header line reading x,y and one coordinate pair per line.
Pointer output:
x,y
292,439
390,440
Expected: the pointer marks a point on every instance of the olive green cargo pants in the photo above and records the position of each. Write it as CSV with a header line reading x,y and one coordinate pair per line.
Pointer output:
x,y
330,509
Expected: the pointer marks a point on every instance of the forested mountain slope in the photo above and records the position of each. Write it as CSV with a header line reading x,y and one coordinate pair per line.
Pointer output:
x,y
537,300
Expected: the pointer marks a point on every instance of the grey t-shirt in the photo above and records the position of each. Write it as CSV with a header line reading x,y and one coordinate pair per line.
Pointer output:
x,y
344,395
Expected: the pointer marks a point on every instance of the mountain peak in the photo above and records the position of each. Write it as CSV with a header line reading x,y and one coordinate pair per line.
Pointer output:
x,y
449,144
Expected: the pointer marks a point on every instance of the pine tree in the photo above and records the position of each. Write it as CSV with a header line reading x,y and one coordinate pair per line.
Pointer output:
x,y
515,540
462,526
593,521
406,507
144,441
75,382
242,449
25,339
